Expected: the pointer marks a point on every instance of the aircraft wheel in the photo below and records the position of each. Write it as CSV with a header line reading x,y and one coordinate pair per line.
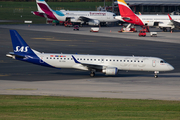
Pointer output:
x,y
92,74
156,76
164,30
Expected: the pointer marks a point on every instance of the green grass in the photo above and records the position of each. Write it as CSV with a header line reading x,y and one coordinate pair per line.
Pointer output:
x,y
22,10
71,108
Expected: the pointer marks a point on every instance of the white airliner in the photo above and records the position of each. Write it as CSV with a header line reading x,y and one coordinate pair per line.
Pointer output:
x,y
89,17
110,65
161,21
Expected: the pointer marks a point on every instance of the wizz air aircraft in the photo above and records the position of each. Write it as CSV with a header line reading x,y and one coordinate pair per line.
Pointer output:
x,y
161,21
94,18
109,65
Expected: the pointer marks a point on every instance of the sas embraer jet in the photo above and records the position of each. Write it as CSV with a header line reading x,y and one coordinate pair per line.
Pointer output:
x,y
161,21
109,65
94,18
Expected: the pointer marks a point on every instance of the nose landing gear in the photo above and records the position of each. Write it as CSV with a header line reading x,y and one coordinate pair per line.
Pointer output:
x,y
156,74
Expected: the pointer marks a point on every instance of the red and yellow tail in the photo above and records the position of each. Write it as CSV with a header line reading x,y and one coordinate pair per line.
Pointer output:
x,y
127,14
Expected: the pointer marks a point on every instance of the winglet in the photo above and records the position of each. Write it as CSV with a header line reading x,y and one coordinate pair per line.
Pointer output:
x,y
169,17
75,59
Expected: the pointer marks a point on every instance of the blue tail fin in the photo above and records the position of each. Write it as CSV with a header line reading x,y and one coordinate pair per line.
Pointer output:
x,y
20,47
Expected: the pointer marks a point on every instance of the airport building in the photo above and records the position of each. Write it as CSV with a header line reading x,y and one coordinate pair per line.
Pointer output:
x,y
150,6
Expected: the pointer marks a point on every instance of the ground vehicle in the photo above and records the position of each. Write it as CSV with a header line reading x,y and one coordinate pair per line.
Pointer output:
x,y
153,34
94,29
142,33
76,27
67,24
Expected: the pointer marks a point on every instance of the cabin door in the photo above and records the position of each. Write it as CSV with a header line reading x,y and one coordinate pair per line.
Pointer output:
x,y
154,63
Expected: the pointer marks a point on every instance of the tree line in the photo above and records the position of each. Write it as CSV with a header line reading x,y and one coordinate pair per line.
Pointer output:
x,y
60,0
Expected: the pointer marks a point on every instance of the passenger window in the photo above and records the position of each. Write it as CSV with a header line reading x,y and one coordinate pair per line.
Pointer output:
x,y
106,59
47,58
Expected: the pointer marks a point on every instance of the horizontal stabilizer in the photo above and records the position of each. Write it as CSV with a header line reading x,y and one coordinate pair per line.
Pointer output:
x,y
126,18
13,55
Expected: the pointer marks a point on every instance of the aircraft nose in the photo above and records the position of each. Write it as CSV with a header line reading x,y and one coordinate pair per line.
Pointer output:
x,y
170,67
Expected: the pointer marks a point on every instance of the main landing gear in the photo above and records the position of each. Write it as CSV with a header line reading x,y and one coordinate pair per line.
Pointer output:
x,y
92,74
156,74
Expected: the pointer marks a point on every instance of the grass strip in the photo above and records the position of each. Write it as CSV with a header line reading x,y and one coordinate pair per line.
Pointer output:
x,y
74,108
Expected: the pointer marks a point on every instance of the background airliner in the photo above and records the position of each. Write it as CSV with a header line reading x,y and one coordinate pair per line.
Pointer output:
x,y
161,21
94,18
109,65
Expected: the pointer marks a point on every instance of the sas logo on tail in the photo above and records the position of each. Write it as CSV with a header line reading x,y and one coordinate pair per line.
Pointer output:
x,y
21,49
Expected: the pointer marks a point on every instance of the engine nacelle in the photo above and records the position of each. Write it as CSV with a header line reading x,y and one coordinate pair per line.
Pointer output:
x,y
110,71
94,22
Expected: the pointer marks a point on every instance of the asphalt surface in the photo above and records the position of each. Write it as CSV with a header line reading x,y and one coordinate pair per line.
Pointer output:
x,y
16,74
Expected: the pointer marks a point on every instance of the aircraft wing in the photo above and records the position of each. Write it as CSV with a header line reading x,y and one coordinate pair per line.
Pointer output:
x,y
90,66
174,23
82,18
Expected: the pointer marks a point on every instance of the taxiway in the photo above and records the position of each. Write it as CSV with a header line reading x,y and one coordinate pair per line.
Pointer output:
x,y
21,78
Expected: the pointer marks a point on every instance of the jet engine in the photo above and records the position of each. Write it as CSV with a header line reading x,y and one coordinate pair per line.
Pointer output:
x,y
110,71
94,22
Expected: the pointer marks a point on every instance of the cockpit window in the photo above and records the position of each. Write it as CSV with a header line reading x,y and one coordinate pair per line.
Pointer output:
x,y
162,61
114,14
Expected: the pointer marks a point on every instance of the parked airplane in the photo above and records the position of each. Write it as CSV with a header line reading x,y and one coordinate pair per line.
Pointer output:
x,y
89,17
110,65
161,21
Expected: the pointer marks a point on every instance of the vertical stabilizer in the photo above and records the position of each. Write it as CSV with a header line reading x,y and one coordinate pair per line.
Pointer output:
x,y
127,14
19,45
43,6
125,10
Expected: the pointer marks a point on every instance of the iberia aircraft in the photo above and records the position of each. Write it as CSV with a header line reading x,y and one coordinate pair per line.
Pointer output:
x,y
89,17
110,65
161,21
